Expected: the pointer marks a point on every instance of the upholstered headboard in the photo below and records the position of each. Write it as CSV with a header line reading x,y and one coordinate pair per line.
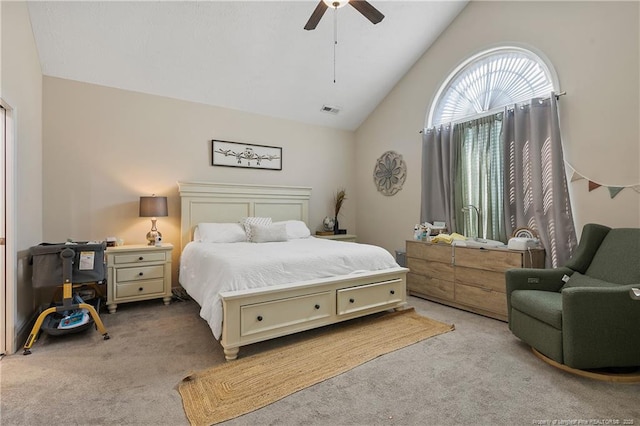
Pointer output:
x,y
223,202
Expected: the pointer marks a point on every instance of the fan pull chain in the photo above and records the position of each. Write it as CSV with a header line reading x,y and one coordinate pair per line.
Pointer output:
x,y
335,40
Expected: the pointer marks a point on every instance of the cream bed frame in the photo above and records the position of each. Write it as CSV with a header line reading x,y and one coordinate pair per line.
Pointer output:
x,y
256,315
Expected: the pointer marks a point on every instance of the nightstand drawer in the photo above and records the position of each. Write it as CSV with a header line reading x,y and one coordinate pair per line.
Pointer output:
x,y
139,273
139,257
140,288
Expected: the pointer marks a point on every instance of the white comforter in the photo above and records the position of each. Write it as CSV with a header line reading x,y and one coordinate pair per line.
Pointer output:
x,y
206,269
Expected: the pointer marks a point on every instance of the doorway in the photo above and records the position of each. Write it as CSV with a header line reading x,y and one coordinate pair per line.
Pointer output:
x,y
7,240
3,259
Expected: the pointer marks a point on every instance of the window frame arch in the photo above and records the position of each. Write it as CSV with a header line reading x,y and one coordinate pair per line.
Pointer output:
x,y
467,63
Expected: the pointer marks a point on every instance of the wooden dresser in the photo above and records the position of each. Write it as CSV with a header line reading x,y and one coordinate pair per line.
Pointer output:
x,y
464,277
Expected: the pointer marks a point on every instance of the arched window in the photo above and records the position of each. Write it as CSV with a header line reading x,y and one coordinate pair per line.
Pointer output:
x,y
490,80
492,152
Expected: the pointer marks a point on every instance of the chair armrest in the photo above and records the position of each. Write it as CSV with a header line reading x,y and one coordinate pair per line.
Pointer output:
x,y
600,323
535,279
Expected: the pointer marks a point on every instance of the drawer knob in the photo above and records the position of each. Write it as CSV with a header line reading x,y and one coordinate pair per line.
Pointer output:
x,y
140,274
259,318
141,258
141,289
317,306
392,292
352,300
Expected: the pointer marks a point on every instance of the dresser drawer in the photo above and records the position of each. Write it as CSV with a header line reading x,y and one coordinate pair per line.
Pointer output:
x,y
140,288
485,299
119,259
354,299
268,316
427,286
139,273
442,271
481,278
491,260
428,251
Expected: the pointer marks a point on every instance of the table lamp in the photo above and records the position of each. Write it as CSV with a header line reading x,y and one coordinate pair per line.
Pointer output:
x,y
153,207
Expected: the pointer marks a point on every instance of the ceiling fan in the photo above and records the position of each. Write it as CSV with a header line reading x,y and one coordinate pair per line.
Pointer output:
x,y
364,7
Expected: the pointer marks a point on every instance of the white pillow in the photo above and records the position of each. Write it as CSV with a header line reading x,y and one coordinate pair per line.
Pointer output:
x,y
268,233
247,221
219,233
296,229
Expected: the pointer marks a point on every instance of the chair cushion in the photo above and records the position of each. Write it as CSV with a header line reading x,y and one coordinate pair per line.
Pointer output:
x,y
616,260
545,306
579,280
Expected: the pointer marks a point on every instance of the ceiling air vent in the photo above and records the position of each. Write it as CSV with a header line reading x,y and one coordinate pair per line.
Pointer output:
x,y
330,109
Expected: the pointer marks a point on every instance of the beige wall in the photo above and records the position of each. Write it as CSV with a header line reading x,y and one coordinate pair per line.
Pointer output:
x,y
594,47
21,89
105,147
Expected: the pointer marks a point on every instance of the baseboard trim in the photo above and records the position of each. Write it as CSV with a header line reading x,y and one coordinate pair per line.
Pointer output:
x,y
605,376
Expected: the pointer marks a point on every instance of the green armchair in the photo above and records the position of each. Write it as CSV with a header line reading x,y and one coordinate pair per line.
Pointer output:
x,y
581,315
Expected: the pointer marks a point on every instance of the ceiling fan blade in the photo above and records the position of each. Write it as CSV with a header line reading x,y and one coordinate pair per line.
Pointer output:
x,y
369,12
313,21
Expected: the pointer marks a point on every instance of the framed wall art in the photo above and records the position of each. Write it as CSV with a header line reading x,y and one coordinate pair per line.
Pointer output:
x,y
246,155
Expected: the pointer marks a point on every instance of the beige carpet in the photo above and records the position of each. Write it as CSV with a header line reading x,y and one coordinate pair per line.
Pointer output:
x,y
239,387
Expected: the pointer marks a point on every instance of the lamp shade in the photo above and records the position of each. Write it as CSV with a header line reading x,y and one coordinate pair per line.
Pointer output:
x,y
153,206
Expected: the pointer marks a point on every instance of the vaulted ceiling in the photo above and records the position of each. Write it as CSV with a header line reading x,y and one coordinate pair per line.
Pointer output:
x,y
251,56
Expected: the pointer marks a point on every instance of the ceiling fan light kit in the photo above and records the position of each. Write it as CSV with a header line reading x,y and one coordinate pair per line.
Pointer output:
x,y
364,7
335,4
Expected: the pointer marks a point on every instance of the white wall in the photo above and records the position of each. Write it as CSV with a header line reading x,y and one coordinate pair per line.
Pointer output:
x,y
594,47
21,88
105,147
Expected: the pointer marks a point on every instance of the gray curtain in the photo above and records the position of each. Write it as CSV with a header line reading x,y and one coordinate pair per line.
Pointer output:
x,y
437,176
536,193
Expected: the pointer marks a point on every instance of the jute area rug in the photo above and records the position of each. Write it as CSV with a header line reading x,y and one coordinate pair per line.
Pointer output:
x,y
238,387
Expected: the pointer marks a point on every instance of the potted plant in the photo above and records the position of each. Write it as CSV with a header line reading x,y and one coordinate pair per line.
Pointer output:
x,y
339,199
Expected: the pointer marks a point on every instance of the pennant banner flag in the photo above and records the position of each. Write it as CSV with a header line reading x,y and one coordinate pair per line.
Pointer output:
x,y
613,190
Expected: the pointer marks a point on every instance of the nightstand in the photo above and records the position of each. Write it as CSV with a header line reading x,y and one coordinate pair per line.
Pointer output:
x,y
339,237
138,272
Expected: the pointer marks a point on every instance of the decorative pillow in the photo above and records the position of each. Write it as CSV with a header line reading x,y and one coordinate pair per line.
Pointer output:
x,y
268,233
219,233
254,220
296,229
579,280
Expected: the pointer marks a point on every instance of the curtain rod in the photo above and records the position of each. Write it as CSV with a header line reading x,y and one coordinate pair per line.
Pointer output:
x,y
557,95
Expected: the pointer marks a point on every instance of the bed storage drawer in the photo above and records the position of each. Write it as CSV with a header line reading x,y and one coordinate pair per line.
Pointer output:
x,y
268,316
360,298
